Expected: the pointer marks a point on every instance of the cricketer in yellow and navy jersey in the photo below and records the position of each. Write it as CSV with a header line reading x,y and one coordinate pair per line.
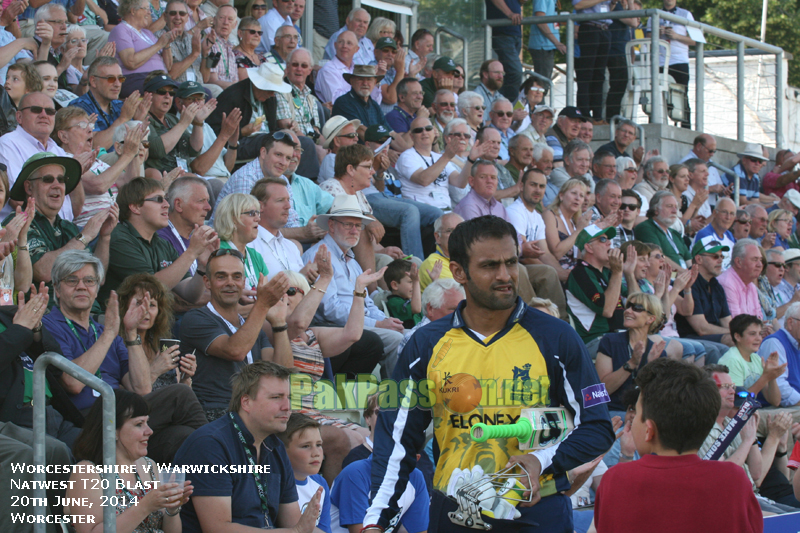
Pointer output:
x,y
534,361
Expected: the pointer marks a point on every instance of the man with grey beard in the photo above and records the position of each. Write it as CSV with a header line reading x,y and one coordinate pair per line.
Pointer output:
x,y
358,104
656,177
444,109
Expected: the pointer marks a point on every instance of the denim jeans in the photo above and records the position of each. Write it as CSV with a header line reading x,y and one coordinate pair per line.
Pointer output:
x,y
406,215
507,48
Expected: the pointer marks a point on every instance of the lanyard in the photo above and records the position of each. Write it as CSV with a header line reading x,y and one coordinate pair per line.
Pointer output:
x,y
276,251
77,336
675,247
233,329
223,55
172,228
100,110
140,34
262,490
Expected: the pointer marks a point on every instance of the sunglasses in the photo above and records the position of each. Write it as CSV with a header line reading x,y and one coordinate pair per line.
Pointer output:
x,y
536,89
181,13
629,207
777,265
226,251
47,180
254,32
349,135
447,104
156,199
164,91
291,291
286,138
301,65
253,213
726,386
479,108
259,6
36,110
756,161
457,74
509,114
459,135
112,79
420,130
744,221
637,308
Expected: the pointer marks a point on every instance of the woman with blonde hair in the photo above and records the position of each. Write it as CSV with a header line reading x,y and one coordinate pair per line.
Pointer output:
x,y
256,9
563,222
780,223
381,27
236,220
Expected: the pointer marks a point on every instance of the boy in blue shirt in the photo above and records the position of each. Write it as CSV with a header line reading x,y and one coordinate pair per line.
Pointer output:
x,y
304,448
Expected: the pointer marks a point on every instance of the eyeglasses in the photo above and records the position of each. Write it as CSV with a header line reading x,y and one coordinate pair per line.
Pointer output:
x,y
36,110
726,386
447,104
72,281
777,265
84,125
292,37
181,13
457,74
744,221
254,32
58,22
783,220
479,108
629,207
715,257
252,213
349,135
164,91
349,226
226,251
459,135
156,199
259,6
637,308
112,79
48,179
291,291
369,166
416,131
509,114
76,41
301,65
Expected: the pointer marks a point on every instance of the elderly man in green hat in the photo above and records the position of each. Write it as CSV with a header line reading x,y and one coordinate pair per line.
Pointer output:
x,y
48,179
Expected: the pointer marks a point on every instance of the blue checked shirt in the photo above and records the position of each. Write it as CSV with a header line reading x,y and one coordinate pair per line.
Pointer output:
x,y
243,180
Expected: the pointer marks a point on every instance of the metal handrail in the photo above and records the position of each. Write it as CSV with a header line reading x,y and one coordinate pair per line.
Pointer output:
x,y
612,124
464,51
40,426
655,15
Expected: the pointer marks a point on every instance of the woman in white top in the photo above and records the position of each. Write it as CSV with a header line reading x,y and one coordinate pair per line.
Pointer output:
x,y
76,40
16,271
563,222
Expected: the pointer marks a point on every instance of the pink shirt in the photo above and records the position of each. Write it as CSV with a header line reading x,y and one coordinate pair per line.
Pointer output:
x,y
126,36
742,299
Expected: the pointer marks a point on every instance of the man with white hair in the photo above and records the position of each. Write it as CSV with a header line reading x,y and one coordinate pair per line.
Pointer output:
x,y
189,206
658,229
567,128
357,22
470,108
656,177
786,342
444,110
274,19
287,39
542,158
501,116
185,47
439,299
577,163
739,281
52,13
751,161
704,148
698,181
721,222
304,118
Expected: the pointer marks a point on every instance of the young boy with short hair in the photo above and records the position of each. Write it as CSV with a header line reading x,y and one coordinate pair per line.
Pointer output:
x,y
304,448
405,303
670,488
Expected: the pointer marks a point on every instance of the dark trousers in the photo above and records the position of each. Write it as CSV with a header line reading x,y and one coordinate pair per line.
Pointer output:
x,y
680,74
360,358
617,82
175,413
590,69
507,48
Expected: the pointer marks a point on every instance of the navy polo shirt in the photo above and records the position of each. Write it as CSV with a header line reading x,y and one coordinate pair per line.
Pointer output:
x,y
217,445
88,103
617,347
399,120
352,106
492,12
709,300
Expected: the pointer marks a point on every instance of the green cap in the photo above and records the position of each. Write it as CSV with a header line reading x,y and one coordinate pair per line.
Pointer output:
x,y
592,232
444,63
188,88
708,245
377,133
385,42
72,171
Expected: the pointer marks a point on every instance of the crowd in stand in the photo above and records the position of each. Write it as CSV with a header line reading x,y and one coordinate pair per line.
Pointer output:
x,y
197,209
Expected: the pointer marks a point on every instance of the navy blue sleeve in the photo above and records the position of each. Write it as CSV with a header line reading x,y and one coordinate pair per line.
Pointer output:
x,y
288,485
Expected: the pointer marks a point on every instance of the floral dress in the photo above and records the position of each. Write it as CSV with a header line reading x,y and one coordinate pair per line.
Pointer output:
x,y
154,521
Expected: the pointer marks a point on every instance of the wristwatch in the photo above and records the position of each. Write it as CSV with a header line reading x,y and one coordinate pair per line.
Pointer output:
x,y
362,294
135,342
80,238
627,367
